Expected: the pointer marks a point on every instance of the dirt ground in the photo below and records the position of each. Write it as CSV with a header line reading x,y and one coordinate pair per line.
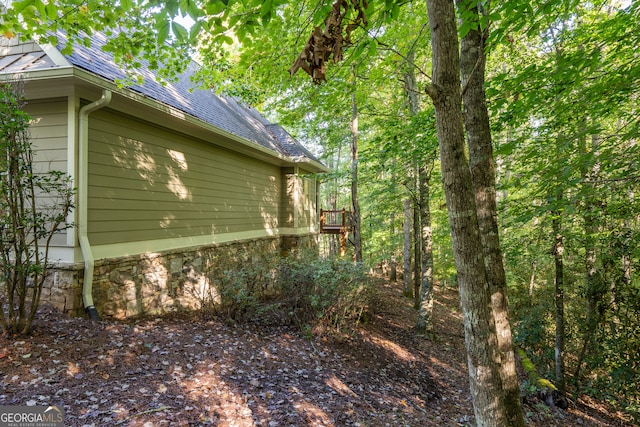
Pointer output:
x,y
188,370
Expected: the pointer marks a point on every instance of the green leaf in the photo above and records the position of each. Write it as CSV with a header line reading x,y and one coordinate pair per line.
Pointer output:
x,y
194,31
163,32
266,10
52,11
215,7
321,14
20,6
194,11
40,7
226,39
172,7
126,5
373,49
180,32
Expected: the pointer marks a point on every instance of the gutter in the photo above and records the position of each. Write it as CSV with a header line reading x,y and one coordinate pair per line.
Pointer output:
x,y
83,200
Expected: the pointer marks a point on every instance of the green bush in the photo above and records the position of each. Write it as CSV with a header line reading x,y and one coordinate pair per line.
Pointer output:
x,y
330,293
248,290
305,290
34,206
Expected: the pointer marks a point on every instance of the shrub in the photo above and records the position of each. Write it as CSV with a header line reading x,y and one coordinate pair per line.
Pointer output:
x,y
327,292
303,289
33,208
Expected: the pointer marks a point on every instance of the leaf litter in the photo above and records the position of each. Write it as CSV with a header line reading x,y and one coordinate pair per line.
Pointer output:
x,y
187,370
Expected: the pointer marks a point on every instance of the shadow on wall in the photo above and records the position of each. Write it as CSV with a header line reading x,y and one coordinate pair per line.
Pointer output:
x,y
184,281
156,184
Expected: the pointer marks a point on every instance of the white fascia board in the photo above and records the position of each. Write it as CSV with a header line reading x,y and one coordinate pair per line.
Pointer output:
x,y
44,74
55,55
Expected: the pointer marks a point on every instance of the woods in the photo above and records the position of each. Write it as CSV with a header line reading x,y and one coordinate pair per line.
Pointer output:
x,y
505,132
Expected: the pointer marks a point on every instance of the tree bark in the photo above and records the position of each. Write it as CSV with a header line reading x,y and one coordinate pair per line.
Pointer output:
x,y
479,324
476,118
558,254
406,275
355,206
424,324
413,101
392,259
417,251
594,289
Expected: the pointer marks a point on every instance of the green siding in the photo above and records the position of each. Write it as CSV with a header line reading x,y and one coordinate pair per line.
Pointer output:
x,y
147,183
308,208
48,132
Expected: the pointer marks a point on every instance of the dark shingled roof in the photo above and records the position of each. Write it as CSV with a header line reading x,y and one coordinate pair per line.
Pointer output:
x,y
222,112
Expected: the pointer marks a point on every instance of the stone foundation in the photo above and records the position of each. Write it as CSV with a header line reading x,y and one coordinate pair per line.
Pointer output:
x,y
63,289
178,280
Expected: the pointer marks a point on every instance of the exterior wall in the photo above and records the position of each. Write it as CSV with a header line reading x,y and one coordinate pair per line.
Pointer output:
x,y
48,131
157,283
299,200
287,202
308,204
63,289
149,183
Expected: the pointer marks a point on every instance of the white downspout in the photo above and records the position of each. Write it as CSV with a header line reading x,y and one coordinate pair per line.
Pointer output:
x,y
83,200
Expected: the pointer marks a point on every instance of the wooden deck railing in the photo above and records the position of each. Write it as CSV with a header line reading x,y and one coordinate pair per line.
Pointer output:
x,y
335,221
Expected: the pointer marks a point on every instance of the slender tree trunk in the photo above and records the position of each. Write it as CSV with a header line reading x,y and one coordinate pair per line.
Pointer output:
x,y
393,273
592,281
558,254
424,324
483,356
476,117
355,206
413,101
532,279
334,249
417,251
406,276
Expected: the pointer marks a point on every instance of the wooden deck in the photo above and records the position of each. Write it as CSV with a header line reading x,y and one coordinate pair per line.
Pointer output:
x,y
335,221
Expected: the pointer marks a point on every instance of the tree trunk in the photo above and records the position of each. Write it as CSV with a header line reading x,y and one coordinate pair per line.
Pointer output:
x,y
592,282
532,279
413,101
558,252
424,324
392,259
406,275
355,206
417,251
479,323
476,117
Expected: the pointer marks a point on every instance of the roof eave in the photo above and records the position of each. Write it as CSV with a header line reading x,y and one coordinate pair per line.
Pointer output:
x,y
259,150
66,71
312,165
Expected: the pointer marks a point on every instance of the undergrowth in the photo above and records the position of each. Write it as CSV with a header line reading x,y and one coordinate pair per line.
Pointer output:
x,y
312,293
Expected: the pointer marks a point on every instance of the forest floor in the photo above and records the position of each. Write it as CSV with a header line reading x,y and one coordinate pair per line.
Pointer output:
x,y
186,370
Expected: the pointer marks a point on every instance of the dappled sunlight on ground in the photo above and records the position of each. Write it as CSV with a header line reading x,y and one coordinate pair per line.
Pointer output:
x,y
186,370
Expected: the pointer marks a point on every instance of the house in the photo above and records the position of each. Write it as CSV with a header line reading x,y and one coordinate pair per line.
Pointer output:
x,y
174,184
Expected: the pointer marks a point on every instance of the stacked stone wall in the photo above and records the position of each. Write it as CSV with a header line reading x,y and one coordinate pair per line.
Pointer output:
x,y
157,283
